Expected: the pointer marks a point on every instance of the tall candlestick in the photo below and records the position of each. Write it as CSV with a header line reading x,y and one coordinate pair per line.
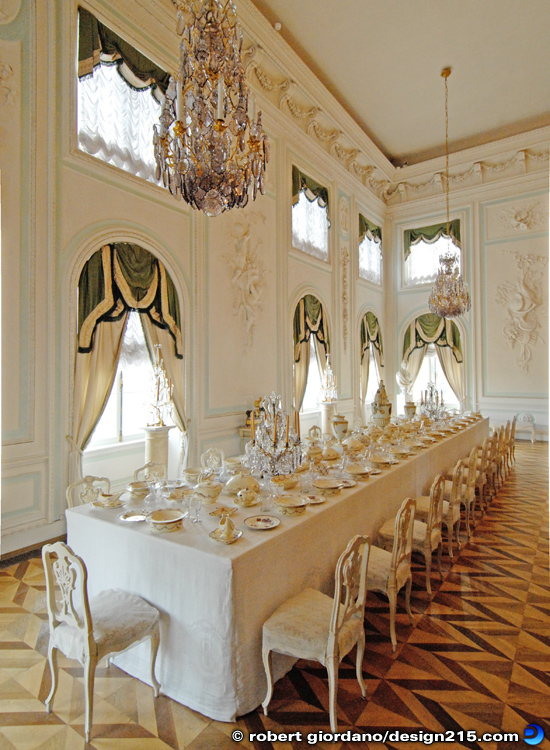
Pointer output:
x,y
179,101
298,421
287,426
252,425
275,432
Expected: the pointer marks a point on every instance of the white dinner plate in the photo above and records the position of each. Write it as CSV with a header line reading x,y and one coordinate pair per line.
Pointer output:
x,y
133,516
262,522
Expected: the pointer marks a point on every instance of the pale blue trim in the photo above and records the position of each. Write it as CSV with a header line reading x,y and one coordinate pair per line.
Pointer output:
x,y
36,480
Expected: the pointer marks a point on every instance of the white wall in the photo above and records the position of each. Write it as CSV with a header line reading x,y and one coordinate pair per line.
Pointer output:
x,y
59,205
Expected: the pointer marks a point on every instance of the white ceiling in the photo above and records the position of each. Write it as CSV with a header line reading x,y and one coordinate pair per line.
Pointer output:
x,y
382,60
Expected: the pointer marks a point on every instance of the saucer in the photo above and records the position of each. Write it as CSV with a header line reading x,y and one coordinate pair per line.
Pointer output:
x,y
216,535
315,499
347,483
133,516
262,523
221,510
100,505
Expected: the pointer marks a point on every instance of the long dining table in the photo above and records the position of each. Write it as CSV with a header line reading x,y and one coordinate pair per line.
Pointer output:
x,y
213,599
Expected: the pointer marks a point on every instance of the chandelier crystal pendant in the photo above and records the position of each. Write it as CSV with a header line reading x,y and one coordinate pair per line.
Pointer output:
x,y
450,296
210,147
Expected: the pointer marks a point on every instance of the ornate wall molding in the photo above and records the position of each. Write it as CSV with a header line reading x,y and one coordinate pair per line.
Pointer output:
x,y
9,10
247,272
523,218
7,83
344,259
523,300
343,215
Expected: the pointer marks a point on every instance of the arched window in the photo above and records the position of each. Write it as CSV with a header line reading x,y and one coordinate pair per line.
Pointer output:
x,y
118,279
437,339
372,358
311,346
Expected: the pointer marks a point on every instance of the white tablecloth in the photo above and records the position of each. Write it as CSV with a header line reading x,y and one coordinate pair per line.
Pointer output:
x,y
214,599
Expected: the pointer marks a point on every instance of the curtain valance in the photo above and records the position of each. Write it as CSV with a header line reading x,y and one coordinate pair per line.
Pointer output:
x,y
431,329
431,234
313,191
122,277
309,319
368,229
98,44
371,334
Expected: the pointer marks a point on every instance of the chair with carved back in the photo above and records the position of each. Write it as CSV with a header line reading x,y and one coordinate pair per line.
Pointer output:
x,y
453,497
87,490
91,630
512,444
389,571
150,472
426,535
312,625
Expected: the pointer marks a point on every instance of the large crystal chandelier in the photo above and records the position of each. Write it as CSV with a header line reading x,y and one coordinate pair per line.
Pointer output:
x,y
450,297
210,147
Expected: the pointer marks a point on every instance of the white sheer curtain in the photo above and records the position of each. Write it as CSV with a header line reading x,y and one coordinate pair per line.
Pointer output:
x,y
115,122
414,363
310,227
370,260
454,372
423,262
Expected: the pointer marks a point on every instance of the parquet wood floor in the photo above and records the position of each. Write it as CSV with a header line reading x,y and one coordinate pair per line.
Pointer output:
x,y
477,657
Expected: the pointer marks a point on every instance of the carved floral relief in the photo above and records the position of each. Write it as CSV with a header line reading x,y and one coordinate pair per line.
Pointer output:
x,y
247,272
344,252
523,218
524,304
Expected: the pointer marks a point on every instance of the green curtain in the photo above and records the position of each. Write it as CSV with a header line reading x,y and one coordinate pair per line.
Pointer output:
x,y
97,44
122,277
313,191
431,329
371,334
431,234
309,320
366,227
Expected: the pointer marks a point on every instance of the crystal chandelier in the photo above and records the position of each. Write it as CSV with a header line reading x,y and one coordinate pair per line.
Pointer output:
x,y
329,384
275,447
450,297
210,147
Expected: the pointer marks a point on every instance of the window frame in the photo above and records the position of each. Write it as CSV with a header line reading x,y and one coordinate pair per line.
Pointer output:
x,y
302,255
428,221
368,282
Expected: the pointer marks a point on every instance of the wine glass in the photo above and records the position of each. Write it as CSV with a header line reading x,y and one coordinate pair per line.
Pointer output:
x,y
195,505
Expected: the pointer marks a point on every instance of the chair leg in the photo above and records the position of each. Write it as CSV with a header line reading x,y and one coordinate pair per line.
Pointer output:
x,y
359,662
439,553
408,599
428,560
155,640
52,659
467,508
449,525
89,676
332,669
392,596
266,656
458,534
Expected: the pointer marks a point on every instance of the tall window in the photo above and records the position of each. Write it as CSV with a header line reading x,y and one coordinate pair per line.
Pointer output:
x,y
371,359
432,372
370,251
311,346
310,222
422,249
119,94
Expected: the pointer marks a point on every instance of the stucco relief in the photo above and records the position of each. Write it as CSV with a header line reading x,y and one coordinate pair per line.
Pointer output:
x,y
343,215
344,252
9,10
524,303
7,82
523,218
247,272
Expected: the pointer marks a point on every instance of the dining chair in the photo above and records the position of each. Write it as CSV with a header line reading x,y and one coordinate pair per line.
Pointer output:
x,y
426,535
481,475
388,571
151,470
453,496
512,446
91,630
86,490
312,625
505,449
471,474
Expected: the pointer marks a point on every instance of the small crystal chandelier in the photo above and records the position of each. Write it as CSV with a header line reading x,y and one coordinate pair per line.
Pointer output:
x,y
210,147
450,297
329,384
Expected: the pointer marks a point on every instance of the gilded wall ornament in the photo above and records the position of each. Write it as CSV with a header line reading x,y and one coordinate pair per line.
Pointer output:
x,y
524,305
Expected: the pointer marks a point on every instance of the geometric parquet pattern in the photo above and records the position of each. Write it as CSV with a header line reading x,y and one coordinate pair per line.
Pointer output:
x,y
477,657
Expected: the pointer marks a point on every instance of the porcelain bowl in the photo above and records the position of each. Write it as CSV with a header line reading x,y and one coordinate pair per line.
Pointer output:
x,y
327,486
110,500
291,505
245,498
286,481
241,481
138,490
165,520
208,491
191,475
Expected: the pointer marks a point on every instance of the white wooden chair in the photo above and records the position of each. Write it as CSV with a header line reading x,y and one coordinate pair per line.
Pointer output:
x,y
525,422
426,536
453,496
90,631
313,626
150,471
471,474
86,490
512,445
388,572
